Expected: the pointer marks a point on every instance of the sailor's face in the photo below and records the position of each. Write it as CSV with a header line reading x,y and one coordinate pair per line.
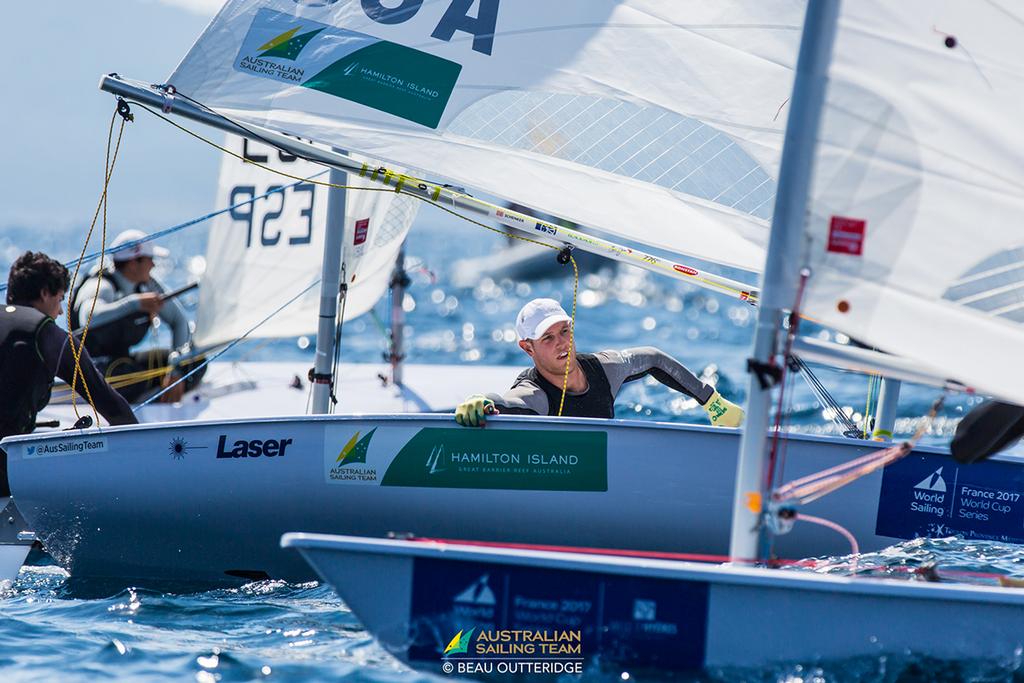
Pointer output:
x,y
138,269
51,304
552,349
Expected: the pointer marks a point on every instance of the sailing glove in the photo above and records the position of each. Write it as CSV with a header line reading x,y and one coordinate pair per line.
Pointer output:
x,y
722,412
474,410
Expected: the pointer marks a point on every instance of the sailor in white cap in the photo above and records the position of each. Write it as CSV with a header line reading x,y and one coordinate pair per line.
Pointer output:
x,y
593,379
128,299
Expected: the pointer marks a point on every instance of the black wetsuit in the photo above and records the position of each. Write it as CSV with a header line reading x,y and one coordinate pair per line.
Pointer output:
x,y
35,350
606,372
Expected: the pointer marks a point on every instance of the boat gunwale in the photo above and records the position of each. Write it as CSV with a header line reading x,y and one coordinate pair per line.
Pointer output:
x,y
541,422
757,577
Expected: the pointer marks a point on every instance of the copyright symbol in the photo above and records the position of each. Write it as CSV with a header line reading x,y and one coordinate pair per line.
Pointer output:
x,y
447,667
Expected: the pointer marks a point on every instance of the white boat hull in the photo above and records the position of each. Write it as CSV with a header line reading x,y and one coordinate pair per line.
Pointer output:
x,y
638,614
170,501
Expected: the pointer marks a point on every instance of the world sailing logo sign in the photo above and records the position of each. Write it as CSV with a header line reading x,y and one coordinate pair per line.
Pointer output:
x,y
357,67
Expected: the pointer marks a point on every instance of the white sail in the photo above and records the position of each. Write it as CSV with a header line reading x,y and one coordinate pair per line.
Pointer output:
x,y
915,241
659,122
262,254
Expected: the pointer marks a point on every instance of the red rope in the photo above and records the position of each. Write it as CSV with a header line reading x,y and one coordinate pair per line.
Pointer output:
x,y
777,454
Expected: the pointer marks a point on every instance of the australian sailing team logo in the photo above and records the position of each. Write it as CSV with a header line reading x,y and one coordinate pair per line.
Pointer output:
x,y
386,76
273,55
350,464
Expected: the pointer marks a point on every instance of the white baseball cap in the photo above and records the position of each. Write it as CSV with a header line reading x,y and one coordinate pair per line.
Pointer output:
x,y
537,316
141,249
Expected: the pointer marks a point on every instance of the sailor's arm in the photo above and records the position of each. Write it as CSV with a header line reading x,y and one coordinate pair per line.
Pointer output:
x,y
108,307
632,364
524,399
53,344
173,314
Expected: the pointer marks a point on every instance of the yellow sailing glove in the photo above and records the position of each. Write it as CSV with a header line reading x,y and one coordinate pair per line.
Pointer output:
x,y
474,410
722,412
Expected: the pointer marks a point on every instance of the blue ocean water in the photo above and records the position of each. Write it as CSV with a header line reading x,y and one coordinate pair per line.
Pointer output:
x,y
280,631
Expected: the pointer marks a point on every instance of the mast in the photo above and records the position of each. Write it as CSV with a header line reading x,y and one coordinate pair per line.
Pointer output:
x,y
330,288
785,253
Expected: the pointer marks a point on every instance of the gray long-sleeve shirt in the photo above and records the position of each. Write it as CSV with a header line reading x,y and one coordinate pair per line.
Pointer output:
x,y
112,305
528,398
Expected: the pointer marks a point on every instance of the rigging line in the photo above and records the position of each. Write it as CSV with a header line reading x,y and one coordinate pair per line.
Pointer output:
x,y
779,472
783,492
338,330
740,290
108,172
328,184
843,531
285,174
117,381
867,406
256,136
86,258
380,325
226,348
815,486
775,453
572,332
838,416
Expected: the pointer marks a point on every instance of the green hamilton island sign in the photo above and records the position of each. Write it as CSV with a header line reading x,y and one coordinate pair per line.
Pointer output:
x,y
392,78
518,459
397,79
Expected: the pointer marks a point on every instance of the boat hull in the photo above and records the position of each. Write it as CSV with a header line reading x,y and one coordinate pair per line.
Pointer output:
x,y
208,501
630,614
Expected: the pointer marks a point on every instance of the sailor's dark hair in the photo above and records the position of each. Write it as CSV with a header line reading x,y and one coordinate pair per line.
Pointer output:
x,y
33,272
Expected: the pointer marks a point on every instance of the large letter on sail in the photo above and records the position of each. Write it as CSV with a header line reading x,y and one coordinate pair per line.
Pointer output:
x,y
391,15
482,27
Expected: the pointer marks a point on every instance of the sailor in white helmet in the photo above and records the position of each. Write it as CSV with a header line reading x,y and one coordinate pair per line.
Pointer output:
x,y
594,379
127,300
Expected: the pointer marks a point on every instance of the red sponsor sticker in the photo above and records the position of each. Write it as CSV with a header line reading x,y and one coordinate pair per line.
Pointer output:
x,y
362,228
846,235
685,270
